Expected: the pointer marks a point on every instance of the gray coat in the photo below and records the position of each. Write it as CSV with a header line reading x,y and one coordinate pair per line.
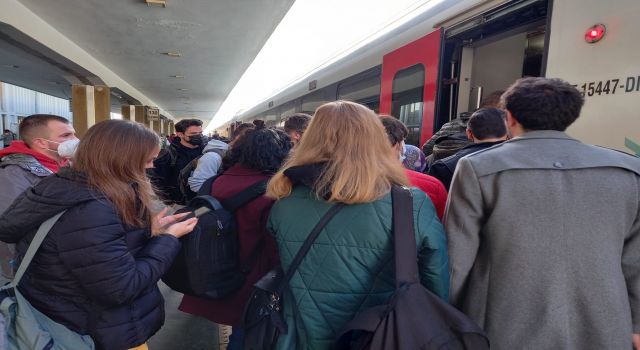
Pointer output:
x,y
544,243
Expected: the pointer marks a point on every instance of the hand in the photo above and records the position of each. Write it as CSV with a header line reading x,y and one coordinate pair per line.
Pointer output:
x,y
160,222
181,228
636,340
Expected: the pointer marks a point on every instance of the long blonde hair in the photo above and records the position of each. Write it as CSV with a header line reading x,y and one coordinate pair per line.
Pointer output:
x,y
360,164
113,154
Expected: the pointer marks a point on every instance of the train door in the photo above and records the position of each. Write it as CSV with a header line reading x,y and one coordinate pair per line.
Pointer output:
x,y
408,85
485,52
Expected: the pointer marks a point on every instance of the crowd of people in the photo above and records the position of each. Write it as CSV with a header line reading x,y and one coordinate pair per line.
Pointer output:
x,y
532,234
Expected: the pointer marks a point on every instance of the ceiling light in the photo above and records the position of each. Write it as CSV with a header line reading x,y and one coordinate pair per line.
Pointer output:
x,y
183,89
177,76
172,54
162,3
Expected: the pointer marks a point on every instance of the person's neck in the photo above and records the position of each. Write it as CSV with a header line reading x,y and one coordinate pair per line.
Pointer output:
x,y
187,144
494,139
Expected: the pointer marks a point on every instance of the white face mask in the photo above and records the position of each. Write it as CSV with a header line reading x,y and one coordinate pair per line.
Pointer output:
x,y
401,156
66,149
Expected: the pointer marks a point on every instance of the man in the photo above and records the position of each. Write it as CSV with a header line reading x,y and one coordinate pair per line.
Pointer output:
x,y
397,133
295,126
187,146
485,128
7,137
544,231
25,163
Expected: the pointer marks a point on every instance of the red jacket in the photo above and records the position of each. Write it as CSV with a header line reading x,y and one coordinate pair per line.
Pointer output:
x,y
22,148
252,226
432,187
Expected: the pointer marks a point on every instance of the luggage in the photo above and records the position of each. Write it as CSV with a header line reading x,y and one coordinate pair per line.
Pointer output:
x,y
414,317
262,320
208,264
24,326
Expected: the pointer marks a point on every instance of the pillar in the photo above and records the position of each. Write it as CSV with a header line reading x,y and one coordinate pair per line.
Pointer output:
x,y
128,112
90,105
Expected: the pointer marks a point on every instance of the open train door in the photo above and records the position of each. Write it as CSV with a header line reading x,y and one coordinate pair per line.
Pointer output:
x,y
409,84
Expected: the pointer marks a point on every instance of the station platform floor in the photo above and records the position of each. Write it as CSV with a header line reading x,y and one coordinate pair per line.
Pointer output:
x,y
184,331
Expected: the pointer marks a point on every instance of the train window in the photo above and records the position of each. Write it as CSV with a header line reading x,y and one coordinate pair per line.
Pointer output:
x,y
365,90
407,103
315,99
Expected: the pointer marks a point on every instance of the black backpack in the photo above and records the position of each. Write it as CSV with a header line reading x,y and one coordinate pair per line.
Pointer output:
x,y
185,173
208,264
414,317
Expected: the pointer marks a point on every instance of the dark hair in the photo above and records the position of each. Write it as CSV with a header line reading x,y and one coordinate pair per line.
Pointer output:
x,y
259,124
240,129
259,149
29,126
543,104
6,130
487,123
492,100
396,130
184,124
297,122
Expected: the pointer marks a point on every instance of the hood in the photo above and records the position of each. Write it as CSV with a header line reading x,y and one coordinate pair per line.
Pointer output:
x,y
215,145
50,196
22,148
307,175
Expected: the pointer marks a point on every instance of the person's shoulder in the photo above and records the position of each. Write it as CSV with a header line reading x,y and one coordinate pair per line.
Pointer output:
x,y
422,180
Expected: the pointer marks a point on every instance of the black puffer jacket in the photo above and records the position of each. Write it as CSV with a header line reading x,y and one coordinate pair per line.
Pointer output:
x,y
91,274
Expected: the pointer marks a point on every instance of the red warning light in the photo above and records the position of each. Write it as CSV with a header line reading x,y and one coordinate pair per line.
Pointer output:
x,y
595,33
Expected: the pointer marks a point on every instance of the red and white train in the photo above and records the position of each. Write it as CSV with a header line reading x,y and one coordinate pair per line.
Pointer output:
x,y
446,60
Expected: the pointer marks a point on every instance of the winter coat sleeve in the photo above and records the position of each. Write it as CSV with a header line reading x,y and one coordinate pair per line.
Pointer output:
x,y
631,269
463,222
208,166
96,252
13,181
432,250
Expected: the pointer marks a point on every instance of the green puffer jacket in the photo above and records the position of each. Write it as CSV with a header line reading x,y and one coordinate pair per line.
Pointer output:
x,y
350,267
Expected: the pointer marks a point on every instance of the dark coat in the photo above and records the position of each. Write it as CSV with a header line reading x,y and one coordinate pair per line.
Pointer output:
x,y
166,170
252,222
91,274
443,169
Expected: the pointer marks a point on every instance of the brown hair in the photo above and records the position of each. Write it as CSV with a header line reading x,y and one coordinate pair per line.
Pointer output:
x,y
113,154
348,137
32,126
396,130
297,122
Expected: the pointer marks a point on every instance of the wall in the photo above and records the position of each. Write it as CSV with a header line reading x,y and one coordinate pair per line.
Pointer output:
x,y
609,118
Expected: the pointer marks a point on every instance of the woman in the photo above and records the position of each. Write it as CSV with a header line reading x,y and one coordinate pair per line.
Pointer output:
x,y
254,157
344,158
97,270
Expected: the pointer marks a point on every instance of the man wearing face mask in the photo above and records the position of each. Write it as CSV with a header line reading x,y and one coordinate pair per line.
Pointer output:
x,y
187,146
47,143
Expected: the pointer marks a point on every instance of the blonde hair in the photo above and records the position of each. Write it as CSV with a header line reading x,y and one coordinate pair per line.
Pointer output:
x,y
360,165
113,154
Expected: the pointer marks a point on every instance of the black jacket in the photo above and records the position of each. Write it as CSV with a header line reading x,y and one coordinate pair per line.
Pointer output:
x,y
91,273
443,169
167,167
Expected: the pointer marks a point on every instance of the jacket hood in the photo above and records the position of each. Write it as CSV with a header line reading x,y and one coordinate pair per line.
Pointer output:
x,y
50,196
215,145
308,175
21,148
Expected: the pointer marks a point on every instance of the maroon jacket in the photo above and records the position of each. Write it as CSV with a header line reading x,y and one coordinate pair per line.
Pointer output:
x,y
252,226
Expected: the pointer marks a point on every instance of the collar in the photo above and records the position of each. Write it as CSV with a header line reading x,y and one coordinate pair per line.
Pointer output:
x,y
306,174
543,134
22,148
241,170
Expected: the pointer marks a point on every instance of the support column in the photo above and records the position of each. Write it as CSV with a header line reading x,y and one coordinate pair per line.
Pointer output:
x,y
163,121
129,112
90,105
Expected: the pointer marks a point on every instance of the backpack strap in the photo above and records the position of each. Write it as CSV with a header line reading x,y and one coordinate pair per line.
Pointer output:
x,y
37,240
247,195
404,237
207,185
307,244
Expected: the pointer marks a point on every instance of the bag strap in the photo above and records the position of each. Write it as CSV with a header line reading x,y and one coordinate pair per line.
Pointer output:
x,y
404,236
207,185
247,195
43,230
308,243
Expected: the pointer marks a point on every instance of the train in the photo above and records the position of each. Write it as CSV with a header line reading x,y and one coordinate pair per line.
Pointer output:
x,y
445,61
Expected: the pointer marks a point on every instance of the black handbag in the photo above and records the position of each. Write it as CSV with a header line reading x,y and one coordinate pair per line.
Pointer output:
x,y
262,320
414,317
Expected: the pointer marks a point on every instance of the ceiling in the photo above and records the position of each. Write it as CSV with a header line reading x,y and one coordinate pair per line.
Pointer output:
x,y
216,40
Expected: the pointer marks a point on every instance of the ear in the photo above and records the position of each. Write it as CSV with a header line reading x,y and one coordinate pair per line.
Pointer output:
x,y
38,143
511,121
469,135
